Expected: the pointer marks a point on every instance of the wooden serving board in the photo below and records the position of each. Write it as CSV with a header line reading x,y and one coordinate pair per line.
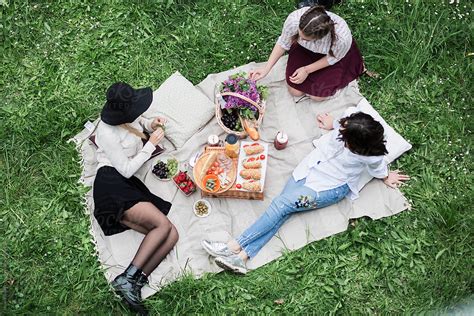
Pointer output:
x,y
199,172
233,192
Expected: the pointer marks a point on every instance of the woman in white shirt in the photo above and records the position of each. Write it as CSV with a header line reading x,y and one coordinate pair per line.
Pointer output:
x,y
121,200
322,55
324,177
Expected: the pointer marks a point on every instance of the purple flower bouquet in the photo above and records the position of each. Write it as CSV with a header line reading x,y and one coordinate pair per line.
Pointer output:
x,y
232,107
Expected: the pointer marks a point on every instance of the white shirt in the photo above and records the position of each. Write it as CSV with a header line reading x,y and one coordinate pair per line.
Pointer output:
x,y
332,165
341,45
121,149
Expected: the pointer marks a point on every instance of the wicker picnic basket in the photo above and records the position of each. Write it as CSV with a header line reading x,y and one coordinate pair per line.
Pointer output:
x,y
242,134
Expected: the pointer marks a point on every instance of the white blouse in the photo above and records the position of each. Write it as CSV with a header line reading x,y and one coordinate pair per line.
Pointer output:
x,y
341,45
332,165
121,149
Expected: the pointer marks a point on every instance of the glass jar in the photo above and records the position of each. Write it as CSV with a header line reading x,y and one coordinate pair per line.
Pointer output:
x,y
232,146
281,141
213,141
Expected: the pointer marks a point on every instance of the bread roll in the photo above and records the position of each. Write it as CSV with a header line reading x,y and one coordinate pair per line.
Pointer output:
x,y
251,164
252,150
251,185
254,174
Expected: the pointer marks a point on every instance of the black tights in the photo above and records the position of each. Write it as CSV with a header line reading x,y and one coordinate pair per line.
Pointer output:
x,y
160,235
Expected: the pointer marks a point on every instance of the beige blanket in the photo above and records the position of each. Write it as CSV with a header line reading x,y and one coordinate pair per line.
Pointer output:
x,y
230,217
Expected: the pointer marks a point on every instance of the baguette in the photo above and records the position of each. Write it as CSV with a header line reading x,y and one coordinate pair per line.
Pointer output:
x,y
252,150
254,174
208,161
251,164
251,185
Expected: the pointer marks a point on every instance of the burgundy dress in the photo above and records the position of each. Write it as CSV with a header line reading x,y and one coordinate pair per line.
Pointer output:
x,y
324,82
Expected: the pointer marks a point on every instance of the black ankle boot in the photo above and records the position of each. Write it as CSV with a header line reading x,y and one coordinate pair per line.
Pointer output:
x,y
142,280
126,286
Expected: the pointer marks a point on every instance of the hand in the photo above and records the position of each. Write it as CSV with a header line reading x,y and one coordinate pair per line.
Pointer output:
x,y
156,136
299,75
158,122
325,121
257,74
395,179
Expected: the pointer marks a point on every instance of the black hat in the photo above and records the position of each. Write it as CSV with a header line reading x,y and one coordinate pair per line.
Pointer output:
x,y
125,104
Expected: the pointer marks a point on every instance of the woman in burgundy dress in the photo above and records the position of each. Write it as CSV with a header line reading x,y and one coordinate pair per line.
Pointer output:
x,y
323,56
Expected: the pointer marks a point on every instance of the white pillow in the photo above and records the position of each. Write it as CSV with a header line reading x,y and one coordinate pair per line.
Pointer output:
x,y
185,107
396,145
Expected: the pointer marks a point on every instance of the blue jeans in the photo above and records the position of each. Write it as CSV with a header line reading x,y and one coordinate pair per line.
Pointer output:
x,y
294,198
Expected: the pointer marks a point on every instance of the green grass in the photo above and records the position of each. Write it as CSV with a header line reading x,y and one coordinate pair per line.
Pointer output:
x,y
58,58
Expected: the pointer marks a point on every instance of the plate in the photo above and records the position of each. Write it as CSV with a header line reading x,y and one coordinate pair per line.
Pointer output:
x,y
165,158
243,156
208,208
199,172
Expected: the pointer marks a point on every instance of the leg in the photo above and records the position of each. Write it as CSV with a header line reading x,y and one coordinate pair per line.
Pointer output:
x,y
294,92
252,248
262,240
143,217
295,198
259,233
136,227
290,185
162,251
148,217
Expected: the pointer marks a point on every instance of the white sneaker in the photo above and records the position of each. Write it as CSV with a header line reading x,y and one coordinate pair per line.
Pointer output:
x,y
216,248
232,263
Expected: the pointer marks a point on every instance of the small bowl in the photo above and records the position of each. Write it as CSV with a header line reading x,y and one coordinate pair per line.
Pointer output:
x,y
208,208
165,158
213,177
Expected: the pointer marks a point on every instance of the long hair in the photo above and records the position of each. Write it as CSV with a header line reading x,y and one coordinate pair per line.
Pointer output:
x,y
316,23
362,135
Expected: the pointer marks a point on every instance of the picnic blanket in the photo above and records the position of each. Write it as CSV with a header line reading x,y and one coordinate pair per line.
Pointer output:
x,y
229,217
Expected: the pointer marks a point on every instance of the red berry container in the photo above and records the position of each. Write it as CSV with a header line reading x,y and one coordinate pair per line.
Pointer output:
x,y
189,186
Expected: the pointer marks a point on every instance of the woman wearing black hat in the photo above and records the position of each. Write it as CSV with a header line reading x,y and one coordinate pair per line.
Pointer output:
x,y
121,200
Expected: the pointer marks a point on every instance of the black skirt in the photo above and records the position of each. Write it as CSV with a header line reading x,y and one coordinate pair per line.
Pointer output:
x,y
114,194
